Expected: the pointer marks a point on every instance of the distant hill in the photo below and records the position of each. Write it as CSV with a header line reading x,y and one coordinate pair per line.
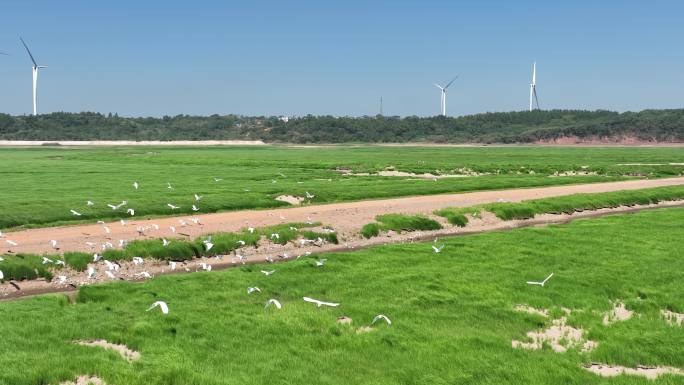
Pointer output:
x,y
555,126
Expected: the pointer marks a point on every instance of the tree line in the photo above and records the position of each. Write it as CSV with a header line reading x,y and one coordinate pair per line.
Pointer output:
x,y
499,127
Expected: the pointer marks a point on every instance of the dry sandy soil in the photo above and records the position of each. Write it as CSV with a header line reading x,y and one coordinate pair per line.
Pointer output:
x,y
344,217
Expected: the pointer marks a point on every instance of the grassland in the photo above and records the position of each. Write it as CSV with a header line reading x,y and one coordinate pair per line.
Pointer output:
x,y
452,313
565,204
41,185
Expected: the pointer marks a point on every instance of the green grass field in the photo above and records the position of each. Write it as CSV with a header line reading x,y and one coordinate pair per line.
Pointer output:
x,y
41,185
452,313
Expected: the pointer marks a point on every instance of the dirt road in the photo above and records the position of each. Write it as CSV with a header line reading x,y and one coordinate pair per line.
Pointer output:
x,y
344,217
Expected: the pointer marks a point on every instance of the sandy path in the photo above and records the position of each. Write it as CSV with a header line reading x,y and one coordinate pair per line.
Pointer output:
x,y
344,217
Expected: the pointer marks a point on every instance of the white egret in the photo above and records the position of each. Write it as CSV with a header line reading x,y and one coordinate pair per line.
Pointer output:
x,y
320,303
265,272
251,290
381,317
542,283
273,302
75,213
162,305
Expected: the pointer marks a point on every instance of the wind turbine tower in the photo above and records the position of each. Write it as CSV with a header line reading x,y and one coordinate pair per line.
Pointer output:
x,y
442,101
533,87
35,67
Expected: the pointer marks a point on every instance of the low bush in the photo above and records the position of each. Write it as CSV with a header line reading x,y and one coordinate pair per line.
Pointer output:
x,y
399,223
23,267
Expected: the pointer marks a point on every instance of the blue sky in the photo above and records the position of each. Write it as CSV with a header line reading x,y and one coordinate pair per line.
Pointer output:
x,y
153,58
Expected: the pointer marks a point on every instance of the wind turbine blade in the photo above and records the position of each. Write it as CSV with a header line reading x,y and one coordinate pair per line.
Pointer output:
x,y
438,86
452,80
29,51
6,54
536,99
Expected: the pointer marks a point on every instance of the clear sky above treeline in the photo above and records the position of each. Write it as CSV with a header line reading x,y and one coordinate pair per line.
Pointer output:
x,y
153,58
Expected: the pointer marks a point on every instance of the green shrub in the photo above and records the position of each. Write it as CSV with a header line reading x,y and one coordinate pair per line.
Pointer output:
x,y
24,267
401,222
456,216
79,261
370,230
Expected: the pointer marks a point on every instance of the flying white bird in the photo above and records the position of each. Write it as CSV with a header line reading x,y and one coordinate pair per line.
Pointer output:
x,y
96,257
168,186
251,290
131,211
205,266
110,266
195,208
198,197
123,223
309,196
275,235
217,179
137,261
251,230
437,249
90,203
172,207
264,272
542,283
241,242
273,302
381,317
76,213
135,185
320,262
162,305
320,303
47,260
113,207
165,242
207,244
60,262
11,243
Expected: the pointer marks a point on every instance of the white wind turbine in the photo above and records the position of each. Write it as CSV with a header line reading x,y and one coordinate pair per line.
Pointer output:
x,y
533,87
442,102
35,67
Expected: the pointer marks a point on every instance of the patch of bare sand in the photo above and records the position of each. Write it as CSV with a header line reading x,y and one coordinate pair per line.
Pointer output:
x,y
617,314
123,350
560,336
650,372
462,173
531,310
291,199
672,318
85,380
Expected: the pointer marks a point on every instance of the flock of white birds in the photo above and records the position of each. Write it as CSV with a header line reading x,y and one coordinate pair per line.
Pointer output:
x,y
113,267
